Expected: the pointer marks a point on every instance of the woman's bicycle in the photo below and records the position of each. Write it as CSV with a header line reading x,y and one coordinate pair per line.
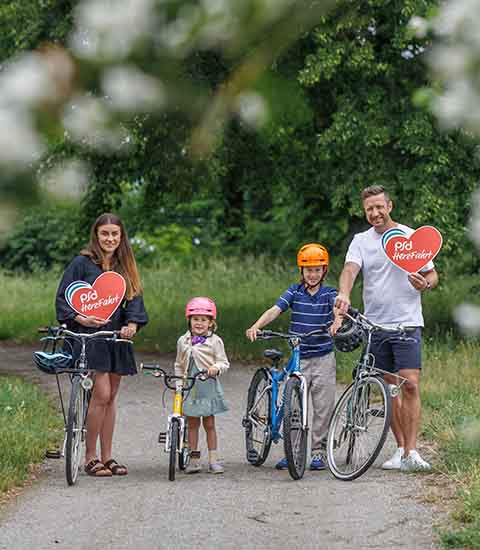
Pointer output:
x,y
361,418
268,406
59,362
175,438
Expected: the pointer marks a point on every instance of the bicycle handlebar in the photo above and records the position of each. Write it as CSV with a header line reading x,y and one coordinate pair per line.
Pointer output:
x,y
357,317
59,332
268,334
170,379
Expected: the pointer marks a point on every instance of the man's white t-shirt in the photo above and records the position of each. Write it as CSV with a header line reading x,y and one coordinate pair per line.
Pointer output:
x,y
388,296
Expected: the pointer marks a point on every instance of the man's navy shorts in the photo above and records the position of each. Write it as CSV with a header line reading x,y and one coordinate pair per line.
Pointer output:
x,y
392,353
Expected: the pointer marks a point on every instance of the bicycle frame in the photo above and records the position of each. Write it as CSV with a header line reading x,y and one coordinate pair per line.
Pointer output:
x,y
292,368
366,363
178,414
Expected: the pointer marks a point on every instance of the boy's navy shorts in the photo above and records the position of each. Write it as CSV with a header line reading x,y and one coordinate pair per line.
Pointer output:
x,y
392,353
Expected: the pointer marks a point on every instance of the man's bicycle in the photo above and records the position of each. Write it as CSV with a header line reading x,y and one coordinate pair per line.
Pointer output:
x,y
175,438
268,406
53,360
361,418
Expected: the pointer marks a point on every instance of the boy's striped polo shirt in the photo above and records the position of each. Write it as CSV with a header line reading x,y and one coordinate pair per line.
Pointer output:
x,y
310,313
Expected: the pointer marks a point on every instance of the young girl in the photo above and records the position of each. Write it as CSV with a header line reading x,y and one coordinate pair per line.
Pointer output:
x,y
108,250
200,349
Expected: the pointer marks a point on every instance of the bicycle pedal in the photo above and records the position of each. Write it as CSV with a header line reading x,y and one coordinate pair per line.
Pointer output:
x,y
53,453
252,455
162,437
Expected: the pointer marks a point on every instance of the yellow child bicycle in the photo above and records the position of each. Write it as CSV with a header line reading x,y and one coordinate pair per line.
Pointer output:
x,y
175,438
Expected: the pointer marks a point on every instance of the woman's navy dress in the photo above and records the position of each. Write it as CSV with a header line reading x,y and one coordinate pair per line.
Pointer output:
x,y
101,356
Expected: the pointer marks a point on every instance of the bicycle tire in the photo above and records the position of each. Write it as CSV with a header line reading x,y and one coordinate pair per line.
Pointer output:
x,y
174,433
75,426
295,435
184,454
362,414
258,438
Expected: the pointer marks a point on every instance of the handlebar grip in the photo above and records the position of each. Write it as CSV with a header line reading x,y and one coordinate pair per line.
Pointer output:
x,y
352,311
43,330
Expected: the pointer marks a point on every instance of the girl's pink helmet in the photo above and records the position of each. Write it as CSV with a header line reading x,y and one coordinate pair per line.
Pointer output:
x,y
201,305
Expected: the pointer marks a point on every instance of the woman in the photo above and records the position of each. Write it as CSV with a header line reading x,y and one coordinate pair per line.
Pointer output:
x,y
108,250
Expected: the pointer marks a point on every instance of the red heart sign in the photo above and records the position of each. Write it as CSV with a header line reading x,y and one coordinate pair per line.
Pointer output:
x,y
412,253
101,299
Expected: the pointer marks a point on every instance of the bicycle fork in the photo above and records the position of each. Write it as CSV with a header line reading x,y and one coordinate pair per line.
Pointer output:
x,y
164,437
303,386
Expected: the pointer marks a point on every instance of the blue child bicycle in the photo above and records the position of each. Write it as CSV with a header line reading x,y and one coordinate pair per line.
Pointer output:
x,y
268,406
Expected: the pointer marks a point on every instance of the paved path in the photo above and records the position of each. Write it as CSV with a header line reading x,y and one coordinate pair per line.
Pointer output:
x,y
246,508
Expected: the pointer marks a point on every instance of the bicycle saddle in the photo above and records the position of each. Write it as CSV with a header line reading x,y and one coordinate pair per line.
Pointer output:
x,y
273,354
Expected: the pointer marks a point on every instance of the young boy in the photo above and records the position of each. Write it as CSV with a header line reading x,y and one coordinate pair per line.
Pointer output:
x,y
312,306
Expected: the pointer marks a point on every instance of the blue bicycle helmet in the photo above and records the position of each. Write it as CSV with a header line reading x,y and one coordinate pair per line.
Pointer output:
x,y
349,336
51,363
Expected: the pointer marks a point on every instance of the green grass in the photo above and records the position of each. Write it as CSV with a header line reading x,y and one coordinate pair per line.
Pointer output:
x,y
451,419
27,428
242,289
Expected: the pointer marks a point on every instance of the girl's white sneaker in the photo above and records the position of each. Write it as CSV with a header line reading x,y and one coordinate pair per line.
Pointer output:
x,y
193,467
215,468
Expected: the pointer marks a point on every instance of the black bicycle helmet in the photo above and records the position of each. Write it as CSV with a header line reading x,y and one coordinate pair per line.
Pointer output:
x,y
51,363
349,336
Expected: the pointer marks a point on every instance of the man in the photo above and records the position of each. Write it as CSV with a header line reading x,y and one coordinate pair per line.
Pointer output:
x,y
390,297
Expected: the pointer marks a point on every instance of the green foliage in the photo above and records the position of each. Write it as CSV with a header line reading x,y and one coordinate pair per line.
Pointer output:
x,y
170,242
27,427
450,386
340,117
26,24
47,236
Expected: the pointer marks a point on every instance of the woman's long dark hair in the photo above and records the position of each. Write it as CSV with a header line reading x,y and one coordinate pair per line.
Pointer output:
x,y
123,260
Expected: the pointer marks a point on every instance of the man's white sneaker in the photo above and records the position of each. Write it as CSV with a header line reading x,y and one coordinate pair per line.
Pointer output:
x,y
414,463
395,462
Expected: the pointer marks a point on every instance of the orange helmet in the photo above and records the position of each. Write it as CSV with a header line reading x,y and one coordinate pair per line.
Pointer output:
x,y
312,254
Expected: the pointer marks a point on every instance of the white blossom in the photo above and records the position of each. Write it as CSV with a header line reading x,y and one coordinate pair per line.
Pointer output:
x,y
112,28
87,121
468,318
129,89
252,108
26,81
67,180
20,144
419,26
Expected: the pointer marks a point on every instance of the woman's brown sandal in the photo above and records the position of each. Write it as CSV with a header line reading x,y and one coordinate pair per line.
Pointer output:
x,y
116,468
96,469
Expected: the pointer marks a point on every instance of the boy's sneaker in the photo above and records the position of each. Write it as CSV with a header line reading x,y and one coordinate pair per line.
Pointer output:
x,y
215,468
395,462
193,467
282,464
414,463
317,463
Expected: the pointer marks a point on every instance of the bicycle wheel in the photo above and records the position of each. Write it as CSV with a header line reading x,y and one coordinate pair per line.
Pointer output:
x,y
294,433
75,428
174,433
184,454
358,428
257,421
